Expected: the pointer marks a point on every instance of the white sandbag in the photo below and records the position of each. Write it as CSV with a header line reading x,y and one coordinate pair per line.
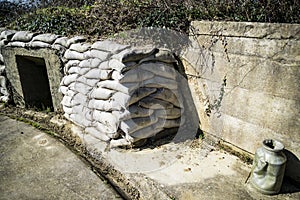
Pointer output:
x,y
132,125
69,102
140,93
119,143
136,75
69,64
74,55
80,47
116,75
16,44
133,111
69,79
75,39
96,54
109,46
58,47
78,109
107,119
4,98
2,69
103,105
63,89
23,36
68,110
80,98
166,95
1,60
151,103
121,99
114,85
160,69
116,65
39,44
82,88
101,93
98,74
104,65
79,120
97,134
71,93
62,41
172,113
84,70
73,70
89,115
92,82
7,34
47,38
90,63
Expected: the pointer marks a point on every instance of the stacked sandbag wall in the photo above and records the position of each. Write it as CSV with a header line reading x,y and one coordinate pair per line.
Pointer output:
x,y
116,93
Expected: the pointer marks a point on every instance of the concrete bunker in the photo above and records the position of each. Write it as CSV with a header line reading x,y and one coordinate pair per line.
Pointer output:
x,y
34,76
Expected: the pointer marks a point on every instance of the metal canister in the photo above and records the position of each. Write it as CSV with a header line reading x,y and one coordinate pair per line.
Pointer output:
x,y
269,167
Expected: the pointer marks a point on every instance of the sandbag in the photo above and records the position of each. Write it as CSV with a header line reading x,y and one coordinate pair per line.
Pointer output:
x,y
120,99
145,132
80,98
82,88
166,95
79,120
23,36
160,69
7,34
63,89
68,110
116,75
171,123
80,47
136,75
132,125
93,53
160,82
151,103
69,64
47,38
109,46
69,102
73,70
172,113
101,93
97,134
16,44
84,70
103,105
98,74
116,65
62,41
74,55
74,40
90,63
107,119
140,93
135,55
67,80
39,44
162,55
113,85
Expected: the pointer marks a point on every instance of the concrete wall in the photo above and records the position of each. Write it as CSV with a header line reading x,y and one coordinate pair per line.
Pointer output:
x,y
245,80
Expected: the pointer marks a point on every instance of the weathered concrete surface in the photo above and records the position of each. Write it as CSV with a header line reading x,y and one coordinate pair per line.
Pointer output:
x,y
245,80
189,170
36,166
53,66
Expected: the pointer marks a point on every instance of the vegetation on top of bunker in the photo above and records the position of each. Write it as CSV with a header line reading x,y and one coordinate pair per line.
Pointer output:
x,y
103,18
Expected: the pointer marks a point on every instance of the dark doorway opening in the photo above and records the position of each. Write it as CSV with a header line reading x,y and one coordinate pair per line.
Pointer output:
x,y
35,82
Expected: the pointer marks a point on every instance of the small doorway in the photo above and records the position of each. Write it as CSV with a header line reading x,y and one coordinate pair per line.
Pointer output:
x,y
34,82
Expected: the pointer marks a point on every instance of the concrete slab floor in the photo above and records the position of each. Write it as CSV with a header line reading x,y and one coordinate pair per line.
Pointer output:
x,y
36,166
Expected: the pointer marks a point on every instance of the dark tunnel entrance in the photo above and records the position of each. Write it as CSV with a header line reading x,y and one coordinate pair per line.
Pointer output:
x,y
34,82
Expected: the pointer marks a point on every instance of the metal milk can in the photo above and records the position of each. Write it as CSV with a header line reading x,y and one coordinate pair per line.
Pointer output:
x,y
268,167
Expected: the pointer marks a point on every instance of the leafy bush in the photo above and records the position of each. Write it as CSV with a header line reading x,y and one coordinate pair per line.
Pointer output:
x,y
99,18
